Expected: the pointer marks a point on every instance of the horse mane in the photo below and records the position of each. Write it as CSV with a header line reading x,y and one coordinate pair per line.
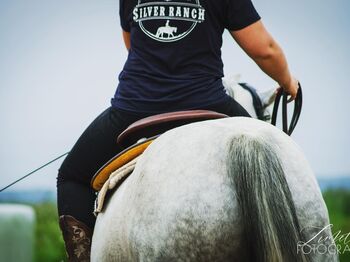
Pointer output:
x,y
271,227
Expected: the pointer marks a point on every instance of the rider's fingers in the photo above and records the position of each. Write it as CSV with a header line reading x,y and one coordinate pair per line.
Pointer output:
x,y
291,98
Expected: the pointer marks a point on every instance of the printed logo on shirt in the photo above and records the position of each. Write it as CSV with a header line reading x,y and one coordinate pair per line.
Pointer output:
x,y
168,20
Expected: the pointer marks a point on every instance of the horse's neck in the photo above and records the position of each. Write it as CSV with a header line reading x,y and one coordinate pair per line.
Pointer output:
x,y
242,96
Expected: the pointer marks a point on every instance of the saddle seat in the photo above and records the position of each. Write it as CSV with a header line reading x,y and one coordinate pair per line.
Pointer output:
x,y
147,129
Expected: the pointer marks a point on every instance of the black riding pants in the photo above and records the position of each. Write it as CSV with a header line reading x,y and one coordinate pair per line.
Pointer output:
x,y
93,149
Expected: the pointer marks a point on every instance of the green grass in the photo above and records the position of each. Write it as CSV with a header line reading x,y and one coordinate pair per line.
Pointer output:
x,y
49,244
338,204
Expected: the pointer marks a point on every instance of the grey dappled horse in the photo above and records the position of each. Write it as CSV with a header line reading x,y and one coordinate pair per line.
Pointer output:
x,y
234,189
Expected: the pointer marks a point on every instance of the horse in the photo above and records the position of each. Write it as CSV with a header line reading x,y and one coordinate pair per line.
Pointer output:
x,y
169,30
232,189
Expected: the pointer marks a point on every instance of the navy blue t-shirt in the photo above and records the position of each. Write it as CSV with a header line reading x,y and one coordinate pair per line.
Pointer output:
x,y
174,62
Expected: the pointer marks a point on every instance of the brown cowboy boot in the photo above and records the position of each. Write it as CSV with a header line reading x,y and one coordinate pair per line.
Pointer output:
x,y
77,237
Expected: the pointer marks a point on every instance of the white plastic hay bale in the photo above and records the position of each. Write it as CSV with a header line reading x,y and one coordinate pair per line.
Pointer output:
x,y
16,232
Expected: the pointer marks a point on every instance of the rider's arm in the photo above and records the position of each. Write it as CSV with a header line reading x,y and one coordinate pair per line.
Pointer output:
x,y
264,50
126,37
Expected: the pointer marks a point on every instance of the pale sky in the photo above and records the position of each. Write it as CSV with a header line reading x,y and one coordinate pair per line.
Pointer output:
x,y
59,62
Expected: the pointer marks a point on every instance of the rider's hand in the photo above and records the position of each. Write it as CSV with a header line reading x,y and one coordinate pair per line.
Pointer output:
x,y
291,88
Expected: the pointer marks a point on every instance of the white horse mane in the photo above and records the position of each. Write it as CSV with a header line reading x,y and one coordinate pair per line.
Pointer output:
x,y
242,96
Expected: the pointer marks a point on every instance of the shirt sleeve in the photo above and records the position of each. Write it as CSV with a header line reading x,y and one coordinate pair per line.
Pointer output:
x,y
240,14
124,16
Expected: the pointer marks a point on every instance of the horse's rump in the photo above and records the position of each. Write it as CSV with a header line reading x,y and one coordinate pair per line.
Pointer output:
x,y
180,203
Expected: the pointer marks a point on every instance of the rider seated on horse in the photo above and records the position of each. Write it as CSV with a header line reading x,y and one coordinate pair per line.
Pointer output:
x,y
162,75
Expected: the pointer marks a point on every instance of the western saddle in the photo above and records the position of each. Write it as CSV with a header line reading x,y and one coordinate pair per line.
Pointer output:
x,y
139,135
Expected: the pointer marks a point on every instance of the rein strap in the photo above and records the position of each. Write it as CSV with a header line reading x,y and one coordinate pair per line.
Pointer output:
x,y
296,113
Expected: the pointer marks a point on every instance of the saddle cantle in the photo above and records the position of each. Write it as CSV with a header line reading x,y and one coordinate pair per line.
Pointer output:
x,y
158,124
148,128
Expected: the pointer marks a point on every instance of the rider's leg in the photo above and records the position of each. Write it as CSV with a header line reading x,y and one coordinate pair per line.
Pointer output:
x,y
75,198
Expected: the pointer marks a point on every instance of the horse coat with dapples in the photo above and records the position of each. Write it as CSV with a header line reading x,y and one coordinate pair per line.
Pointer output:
x,y
216,190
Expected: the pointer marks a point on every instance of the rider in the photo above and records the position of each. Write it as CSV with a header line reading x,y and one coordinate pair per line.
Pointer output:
x,y
161,75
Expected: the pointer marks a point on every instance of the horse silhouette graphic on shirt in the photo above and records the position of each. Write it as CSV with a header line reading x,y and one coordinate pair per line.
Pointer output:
x,y
166,30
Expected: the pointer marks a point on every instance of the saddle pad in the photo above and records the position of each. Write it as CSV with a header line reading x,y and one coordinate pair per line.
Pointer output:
x,y
116,162
114,179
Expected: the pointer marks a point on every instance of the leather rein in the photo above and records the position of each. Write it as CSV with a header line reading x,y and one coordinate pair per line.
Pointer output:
x,y
296,113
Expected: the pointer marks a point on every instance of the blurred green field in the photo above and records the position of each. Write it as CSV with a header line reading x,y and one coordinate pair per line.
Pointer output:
x,y
338,204
49,245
